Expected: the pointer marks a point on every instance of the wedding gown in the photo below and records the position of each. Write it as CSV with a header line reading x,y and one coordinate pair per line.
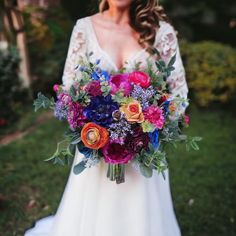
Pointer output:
x,y
92,205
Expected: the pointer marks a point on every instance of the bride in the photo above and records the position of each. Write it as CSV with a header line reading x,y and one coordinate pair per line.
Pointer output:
x,y
121,34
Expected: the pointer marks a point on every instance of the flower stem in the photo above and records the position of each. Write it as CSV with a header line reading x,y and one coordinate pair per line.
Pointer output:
x,y
116,172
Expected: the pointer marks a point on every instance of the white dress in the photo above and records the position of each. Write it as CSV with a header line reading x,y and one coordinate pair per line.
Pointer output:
x,y
92,205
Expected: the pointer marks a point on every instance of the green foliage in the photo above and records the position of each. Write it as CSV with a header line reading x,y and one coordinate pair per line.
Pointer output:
x,y
151,160
43,102
12,93
211,71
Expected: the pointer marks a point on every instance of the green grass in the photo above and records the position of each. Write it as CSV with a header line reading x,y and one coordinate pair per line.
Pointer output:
x,y
206,178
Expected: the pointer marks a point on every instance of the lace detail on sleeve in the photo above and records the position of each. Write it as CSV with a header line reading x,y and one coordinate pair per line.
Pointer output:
x,y
77,49
167,44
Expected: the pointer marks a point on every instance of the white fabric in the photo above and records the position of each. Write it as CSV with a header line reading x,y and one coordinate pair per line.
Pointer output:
x,y
92,205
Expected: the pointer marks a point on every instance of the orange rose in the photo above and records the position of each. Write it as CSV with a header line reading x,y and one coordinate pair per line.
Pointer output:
x,y
133,112
94,136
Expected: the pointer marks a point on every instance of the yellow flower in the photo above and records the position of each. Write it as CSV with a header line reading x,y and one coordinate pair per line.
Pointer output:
x,y
133,112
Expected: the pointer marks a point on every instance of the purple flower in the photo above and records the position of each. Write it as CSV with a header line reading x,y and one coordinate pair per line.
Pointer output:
x,y
116,153
119,130
75,117
100,110
143,95
137,141
64,98
120,82
60,111
94,88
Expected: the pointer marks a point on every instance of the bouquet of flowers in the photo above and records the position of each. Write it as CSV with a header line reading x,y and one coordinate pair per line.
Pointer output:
x,y
123,117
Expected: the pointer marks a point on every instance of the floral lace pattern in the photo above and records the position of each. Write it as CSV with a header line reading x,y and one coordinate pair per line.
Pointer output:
x,y
167,44
77,48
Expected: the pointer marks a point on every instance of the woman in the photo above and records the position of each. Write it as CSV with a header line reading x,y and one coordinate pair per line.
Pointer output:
x,y
122,33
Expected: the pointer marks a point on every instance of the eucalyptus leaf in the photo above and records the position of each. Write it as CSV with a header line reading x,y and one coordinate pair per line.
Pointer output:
x,y
146,171
80,167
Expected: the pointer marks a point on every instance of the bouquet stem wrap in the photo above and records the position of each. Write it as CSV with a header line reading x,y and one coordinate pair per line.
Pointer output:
x,y
116,172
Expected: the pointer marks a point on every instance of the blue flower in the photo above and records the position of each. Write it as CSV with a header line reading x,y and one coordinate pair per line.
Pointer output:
x,y
166,106
100,110
154,138
100,75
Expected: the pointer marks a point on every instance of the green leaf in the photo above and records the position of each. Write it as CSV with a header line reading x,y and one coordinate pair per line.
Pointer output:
x,y
147,127
172,61
43,102
80,167
146,171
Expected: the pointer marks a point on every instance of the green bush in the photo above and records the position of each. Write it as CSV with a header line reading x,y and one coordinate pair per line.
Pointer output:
x,y
12,94
211,71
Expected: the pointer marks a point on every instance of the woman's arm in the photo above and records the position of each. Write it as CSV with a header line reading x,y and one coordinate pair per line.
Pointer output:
x,y
167,45
77,49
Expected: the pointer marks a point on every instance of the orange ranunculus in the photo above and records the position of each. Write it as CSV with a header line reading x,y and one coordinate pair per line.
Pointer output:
x,y
94,136
133,112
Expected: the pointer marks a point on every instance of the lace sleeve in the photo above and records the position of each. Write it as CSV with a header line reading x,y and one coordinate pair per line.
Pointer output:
x,y
167,45
77,48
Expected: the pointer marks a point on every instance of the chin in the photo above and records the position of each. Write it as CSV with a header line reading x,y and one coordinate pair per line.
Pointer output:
x,y
120,3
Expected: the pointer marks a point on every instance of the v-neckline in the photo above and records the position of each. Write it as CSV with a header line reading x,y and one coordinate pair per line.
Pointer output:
x,y
109,58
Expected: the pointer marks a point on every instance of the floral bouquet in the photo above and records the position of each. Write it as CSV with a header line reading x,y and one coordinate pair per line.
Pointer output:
x,y
123,117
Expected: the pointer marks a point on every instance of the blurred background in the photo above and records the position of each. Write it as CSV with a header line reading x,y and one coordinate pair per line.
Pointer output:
x,y
34,37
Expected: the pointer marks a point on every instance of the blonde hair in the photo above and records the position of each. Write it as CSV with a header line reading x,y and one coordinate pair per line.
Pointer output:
x,y
144,19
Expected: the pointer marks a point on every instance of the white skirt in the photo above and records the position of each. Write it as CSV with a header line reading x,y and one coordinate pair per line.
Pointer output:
x,y
92,205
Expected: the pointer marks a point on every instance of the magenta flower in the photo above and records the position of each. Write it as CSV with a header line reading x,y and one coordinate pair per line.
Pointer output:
x,y
186,119
56,88
65,99
115,153
75,117
94,88
120,82
155,116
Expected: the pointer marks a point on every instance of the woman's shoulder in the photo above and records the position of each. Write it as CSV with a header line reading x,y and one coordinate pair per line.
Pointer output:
x,y
82,22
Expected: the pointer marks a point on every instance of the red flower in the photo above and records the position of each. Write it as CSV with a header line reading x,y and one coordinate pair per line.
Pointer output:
x,y
115,153
140,78
94,88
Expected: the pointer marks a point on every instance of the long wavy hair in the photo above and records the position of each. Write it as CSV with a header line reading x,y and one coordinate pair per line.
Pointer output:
x,y
145,16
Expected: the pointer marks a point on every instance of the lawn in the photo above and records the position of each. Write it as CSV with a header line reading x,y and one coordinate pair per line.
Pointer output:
x,y
203,182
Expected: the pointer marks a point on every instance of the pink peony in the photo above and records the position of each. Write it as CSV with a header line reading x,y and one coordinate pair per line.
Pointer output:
x,y
94,88
115,153
155,116
140,78
120,82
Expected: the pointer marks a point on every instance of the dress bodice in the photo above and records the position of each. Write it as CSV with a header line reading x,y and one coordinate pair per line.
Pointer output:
x,y
83,41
